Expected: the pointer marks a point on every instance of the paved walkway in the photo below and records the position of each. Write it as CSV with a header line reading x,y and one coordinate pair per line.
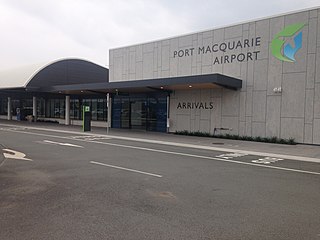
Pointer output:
x,y
300,150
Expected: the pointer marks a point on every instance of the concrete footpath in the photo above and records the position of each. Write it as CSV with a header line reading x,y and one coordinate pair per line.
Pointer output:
x,y
296,152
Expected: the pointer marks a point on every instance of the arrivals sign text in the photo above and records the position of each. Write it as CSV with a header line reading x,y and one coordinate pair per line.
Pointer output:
x,y
195,105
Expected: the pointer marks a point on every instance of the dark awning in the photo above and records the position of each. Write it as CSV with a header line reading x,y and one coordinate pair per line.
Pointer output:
x,y
170,83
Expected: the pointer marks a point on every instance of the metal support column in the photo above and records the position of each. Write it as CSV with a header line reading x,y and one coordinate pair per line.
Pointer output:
x,y
109,112
168,113
9,109
34,108
67,112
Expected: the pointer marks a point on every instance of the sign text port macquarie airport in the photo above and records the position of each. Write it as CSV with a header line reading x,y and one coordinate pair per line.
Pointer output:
x,y
223,52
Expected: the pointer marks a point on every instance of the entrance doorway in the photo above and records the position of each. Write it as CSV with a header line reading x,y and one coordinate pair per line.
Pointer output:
x,y
140,112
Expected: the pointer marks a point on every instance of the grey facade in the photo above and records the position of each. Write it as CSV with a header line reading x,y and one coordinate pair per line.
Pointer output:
x,y
277,98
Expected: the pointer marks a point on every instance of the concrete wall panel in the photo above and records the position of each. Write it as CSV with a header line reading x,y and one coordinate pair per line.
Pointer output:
x,y
312,38
308,133
230,103
317,101
273,116
248,126
311,71
260,74
258,129
292,128
233,32
316,131
317,78
232,123
263,31
309,108
259,106
293,95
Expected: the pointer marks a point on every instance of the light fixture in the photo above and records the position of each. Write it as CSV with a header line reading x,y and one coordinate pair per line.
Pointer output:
x,y
81,91
190,86
161,87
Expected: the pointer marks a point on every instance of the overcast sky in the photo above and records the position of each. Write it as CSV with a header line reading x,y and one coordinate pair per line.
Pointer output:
x,y
34,31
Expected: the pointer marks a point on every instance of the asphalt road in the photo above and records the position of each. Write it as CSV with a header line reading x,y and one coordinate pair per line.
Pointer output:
x,y
70,186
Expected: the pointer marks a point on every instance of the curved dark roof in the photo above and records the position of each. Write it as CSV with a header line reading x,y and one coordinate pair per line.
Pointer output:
x,y
68,72
58,73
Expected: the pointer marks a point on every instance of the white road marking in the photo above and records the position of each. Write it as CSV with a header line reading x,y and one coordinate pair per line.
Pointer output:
x,y
175,153
267,160
126,169
231,155
90,138
14,129
12,154
186,145
62,144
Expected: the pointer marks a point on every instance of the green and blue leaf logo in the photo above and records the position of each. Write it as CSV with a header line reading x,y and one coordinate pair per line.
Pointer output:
x,y
284,51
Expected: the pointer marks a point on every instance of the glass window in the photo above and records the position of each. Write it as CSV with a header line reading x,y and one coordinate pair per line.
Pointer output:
x,y
41,107
116,112
53,108
77,109
15,104
56,108
72,101
101,110
74,109
62,108
94,112
49,108
26,107
4,106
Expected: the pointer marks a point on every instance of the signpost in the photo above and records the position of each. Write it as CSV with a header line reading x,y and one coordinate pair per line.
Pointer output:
x,y
86,118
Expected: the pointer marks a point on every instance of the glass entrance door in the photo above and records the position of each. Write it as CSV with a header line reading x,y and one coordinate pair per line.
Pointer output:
x,y
140,111
125,113
138,118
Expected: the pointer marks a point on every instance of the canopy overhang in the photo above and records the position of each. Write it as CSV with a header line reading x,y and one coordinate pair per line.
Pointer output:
x,y
160,84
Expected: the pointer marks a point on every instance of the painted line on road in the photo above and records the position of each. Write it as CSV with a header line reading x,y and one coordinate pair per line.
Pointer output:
x,y
185,145
126,169
91,138
61,144
175,153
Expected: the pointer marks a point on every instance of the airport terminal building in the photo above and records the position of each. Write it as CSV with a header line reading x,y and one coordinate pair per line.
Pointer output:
x,y
258,78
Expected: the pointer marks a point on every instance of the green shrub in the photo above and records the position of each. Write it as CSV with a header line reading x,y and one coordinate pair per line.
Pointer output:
x,y
257,139
273,140
290,141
